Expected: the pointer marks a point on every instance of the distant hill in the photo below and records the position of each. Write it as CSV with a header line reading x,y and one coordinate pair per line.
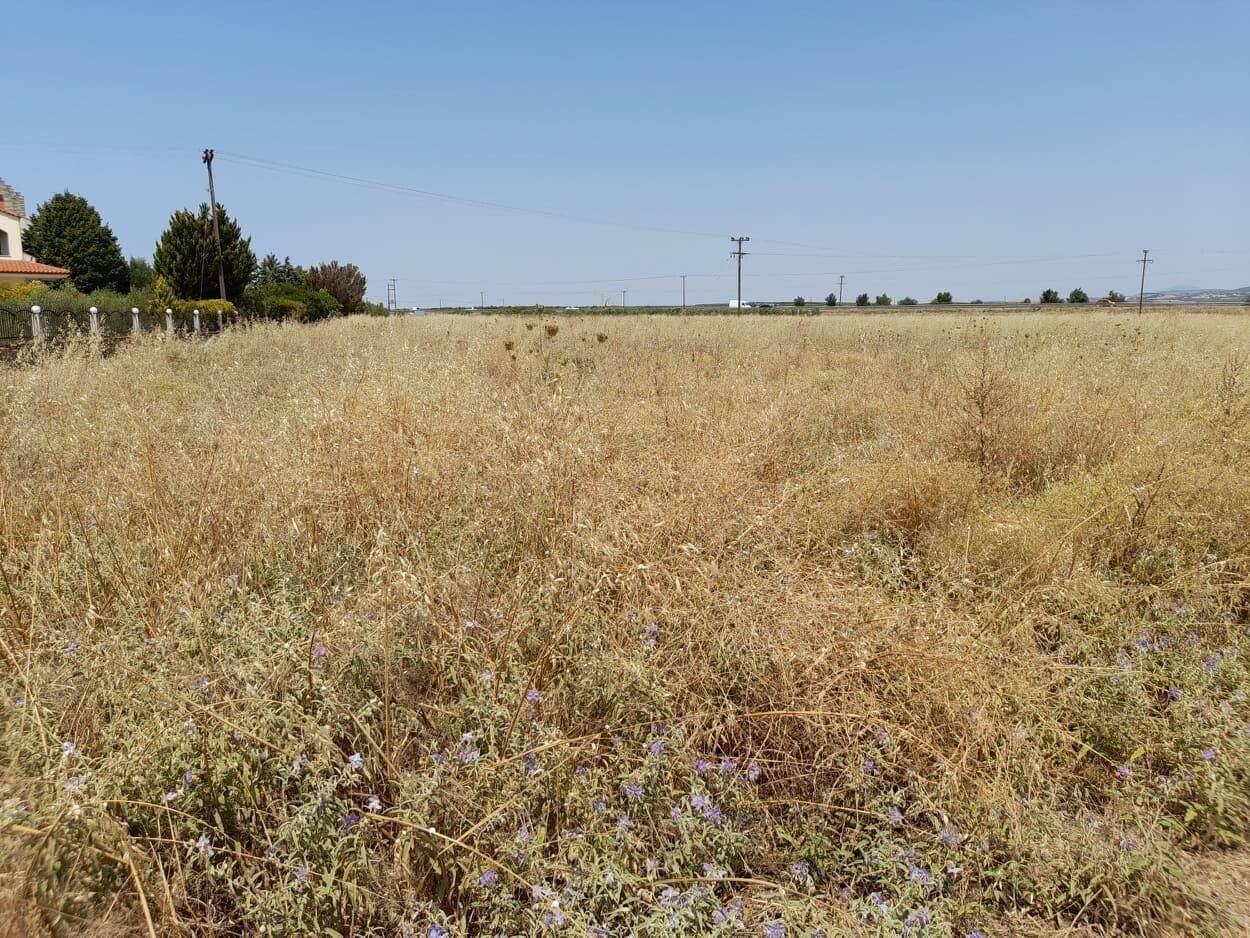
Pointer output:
x,y
1199,295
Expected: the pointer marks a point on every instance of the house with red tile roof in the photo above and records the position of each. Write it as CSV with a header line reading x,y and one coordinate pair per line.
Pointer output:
x,y
15,265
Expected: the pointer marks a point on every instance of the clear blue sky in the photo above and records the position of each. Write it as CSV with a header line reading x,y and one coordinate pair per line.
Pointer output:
x,y
959,138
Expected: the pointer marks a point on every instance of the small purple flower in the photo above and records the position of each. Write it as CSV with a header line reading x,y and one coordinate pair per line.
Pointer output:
x,y
728,766
882,736
201,682
715,815
356,761
1175,693
350,820
655,747
774,930
374,804
437,931
700,802
530,762
1123,772
753,772
19,700
297,767
188,779
319,650
600,805
977,933
675,813
302,874
170,796
869,767
624,822
949,836
533,696
801,870
1208,755
918,874
633,791
894,816
204,845
701,766
488,879
468,754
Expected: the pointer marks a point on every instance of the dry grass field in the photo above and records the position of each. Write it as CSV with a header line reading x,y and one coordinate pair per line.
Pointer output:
x,y
930,624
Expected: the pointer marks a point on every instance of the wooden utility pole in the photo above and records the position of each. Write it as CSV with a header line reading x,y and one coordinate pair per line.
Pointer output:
x,y
212,195
739,253
1141,293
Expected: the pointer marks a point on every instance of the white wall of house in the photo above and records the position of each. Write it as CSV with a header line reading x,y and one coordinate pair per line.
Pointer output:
x,y
10,232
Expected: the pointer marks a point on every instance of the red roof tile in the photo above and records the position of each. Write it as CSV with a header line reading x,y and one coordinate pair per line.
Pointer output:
x,y
11,214
30,267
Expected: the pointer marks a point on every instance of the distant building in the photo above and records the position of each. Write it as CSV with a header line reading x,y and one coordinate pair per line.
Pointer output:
x,y
15,265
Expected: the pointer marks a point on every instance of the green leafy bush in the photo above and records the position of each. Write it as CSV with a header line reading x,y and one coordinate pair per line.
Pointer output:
x,y
289,301
908,301
942,298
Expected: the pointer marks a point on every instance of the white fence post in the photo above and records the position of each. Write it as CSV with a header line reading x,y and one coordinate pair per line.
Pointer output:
x,y
169,320
95,320
135,327
219,323
195,320
36,323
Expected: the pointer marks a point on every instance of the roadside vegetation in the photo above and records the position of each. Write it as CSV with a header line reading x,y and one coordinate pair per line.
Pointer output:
x,y
923,624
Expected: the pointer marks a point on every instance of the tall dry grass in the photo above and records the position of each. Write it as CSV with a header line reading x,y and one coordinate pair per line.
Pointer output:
x,y
988,572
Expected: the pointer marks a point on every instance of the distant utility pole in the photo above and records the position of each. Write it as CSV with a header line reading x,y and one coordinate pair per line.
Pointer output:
x,y
1141,294
683,291
392,296
481,298
739,254
212,196
841,278
623,292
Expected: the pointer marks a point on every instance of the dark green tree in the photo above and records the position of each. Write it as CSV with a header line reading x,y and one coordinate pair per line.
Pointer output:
x,y
831,299
271,272
908,301
800,301
1050,296
344,282
1078,296
66,231
141,273
1115,297
883,300
861,300
943,297
186,255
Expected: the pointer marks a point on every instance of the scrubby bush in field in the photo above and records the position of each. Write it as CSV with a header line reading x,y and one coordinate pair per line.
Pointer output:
x,y
861,300
942,298
908,301
289,301
1078,296
892,628
831,299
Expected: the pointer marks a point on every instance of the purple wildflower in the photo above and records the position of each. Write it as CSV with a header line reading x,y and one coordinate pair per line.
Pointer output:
x,y
319,650
437,931
374,804
188,779
1208,755
624,822
655,747
949,836
1123,772
753,772
701,766
728,766
774,930
633,791
675,813
350,820
302,874
801,870
869,767
1175,693
533,696
204,845
488,879
356,761
700,802
894,816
